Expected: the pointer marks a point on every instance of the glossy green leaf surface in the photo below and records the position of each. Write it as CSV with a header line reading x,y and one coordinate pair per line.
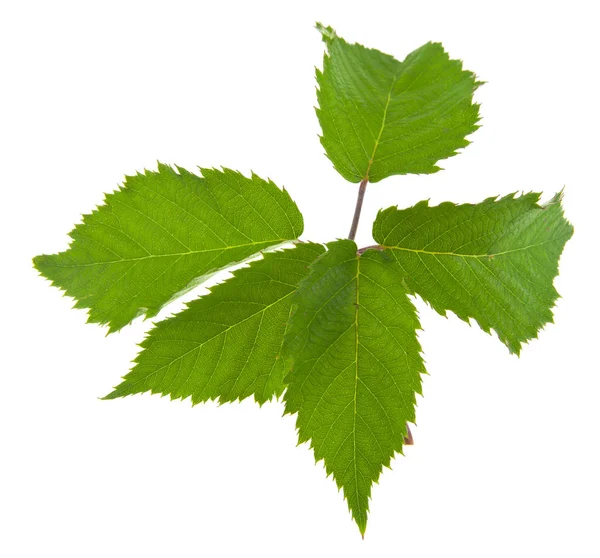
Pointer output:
x,y
355,367
494,261
161,234
225,345
382,117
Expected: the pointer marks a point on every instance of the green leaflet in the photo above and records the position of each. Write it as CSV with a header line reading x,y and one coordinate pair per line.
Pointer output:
x,y
227,344
382,117
494,261
356,366
162,233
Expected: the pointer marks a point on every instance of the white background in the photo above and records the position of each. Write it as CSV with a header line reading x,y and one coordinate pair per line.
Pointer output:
x,y
506,459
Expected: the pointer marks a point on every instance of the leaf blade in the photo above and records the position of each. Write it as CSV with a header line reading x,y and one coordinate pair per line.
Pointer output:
x,y
225,345
164,232
356,367
382,117
494,261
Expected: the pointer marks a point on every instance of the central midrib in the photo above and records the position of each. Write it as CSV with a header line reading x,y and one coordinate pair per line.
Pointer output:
x,y
356,385
180,254
384,118
456,254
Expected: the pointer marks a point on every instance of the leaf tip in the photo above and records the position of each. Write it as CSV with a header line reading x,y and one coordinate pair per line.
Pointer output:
x,y
37,262
112,395
327,33
361,522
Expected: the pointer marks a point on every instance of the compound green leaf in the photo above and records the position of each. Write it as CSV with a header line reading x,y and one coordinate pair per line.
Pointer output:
x,y
494,261
225,345
164,232
382,117
355,366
